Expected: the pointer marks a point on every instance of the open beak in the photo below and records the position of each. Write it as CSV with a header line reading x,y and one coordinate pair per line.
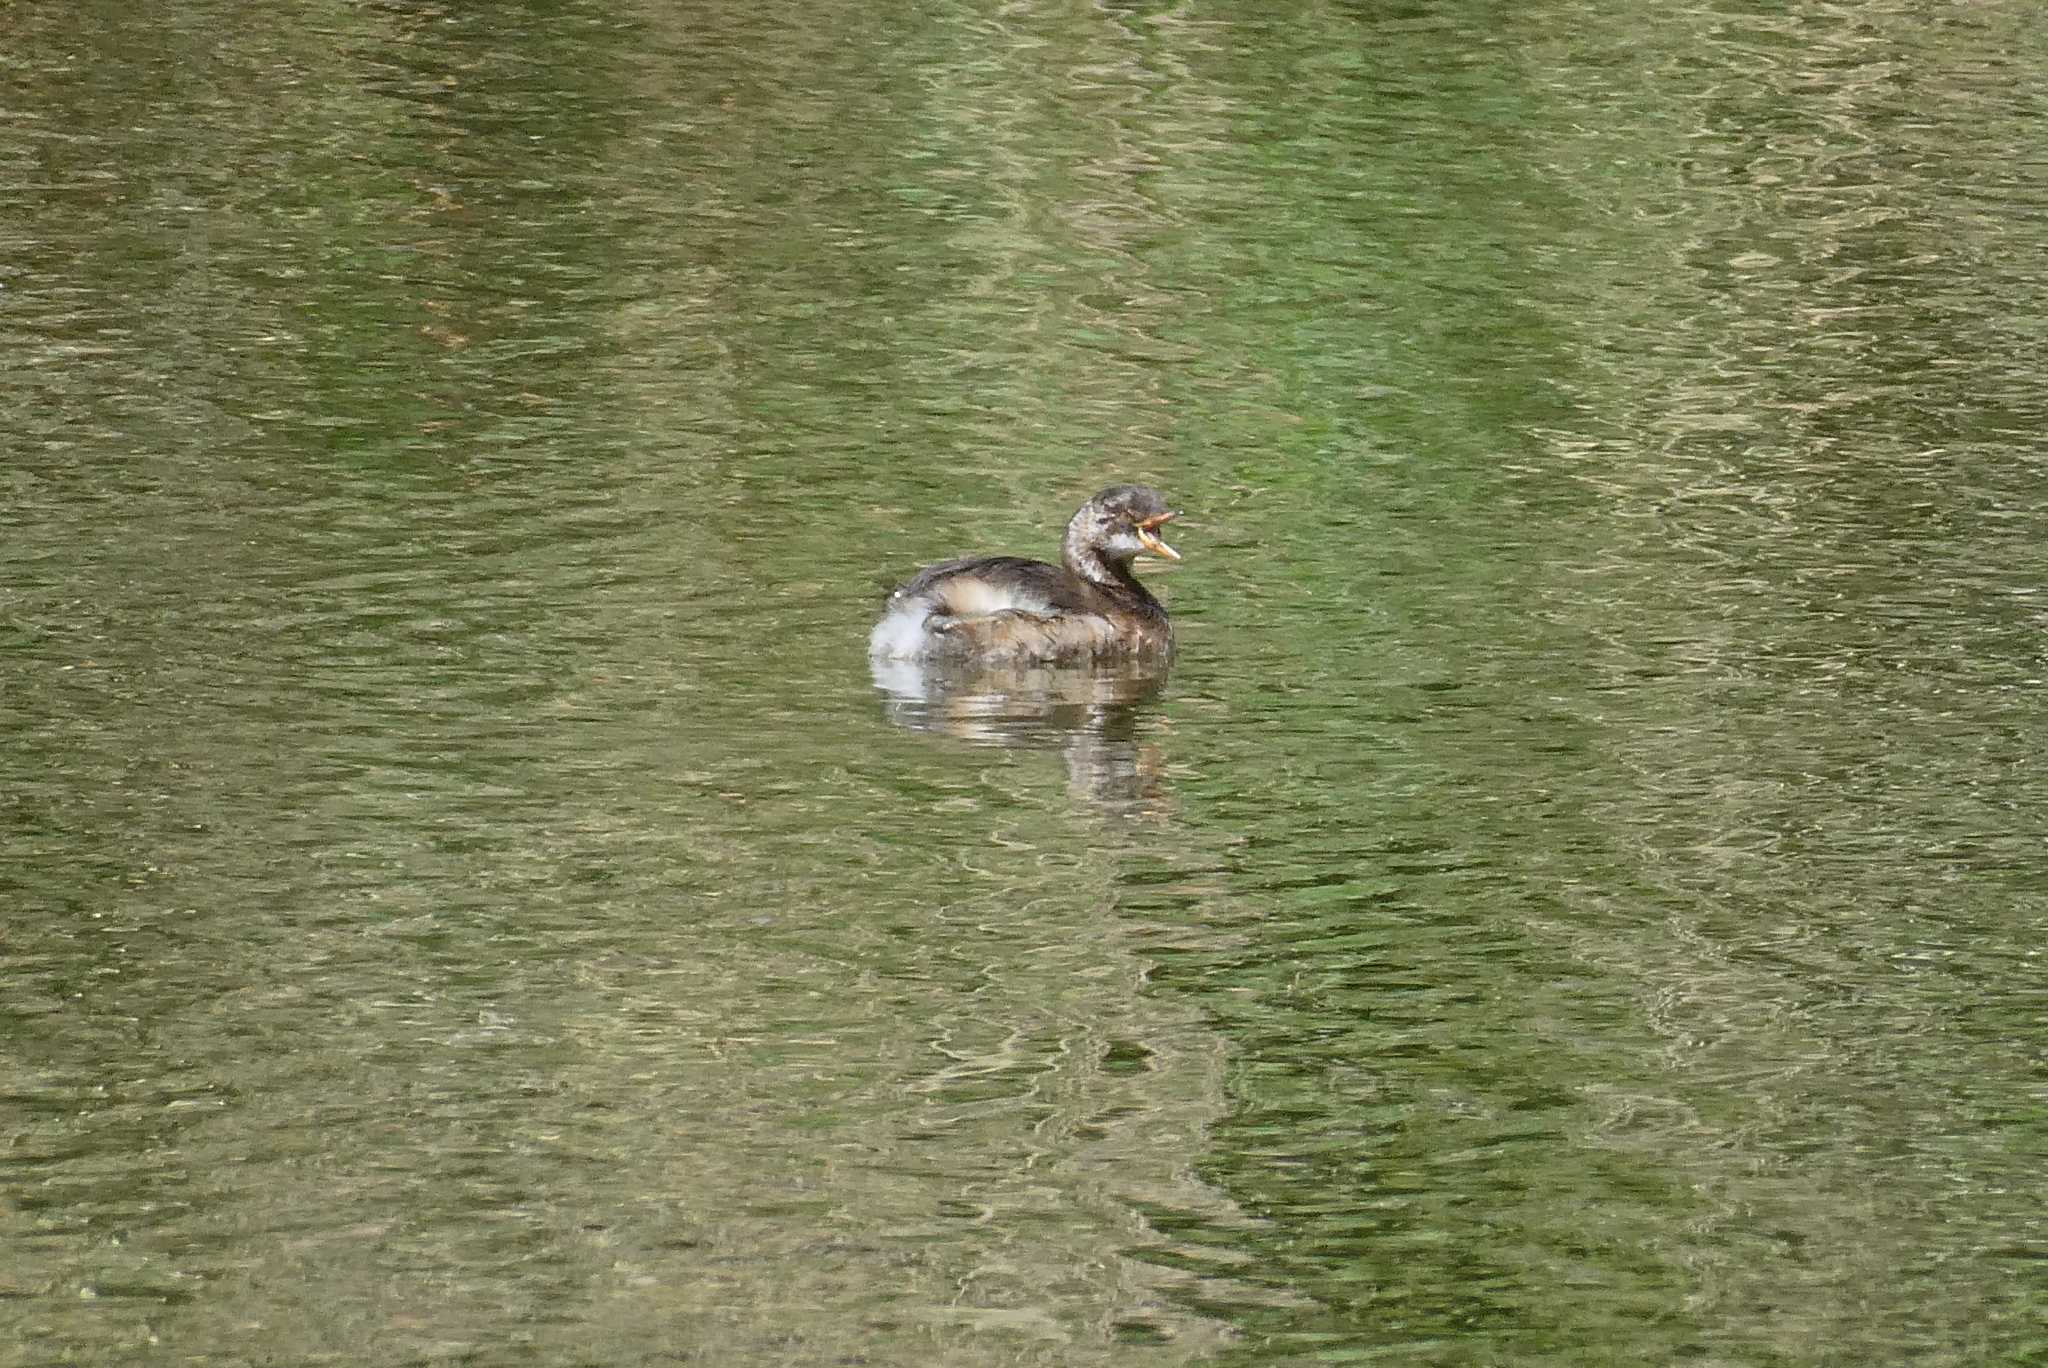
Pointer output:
x,y
1150,540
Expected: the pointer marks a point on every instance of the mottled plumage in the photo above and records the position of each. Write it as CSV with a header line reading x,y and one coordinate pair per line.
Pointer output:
x,y
1005,608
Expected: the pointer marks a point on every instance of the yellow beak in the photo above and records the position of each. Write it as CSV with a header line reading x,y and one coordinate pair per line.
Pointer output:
x,y
1151,542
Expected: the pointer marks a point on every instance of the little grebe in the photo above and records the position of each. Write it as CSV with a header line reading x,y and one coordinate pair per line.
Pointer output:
x,y
1005,608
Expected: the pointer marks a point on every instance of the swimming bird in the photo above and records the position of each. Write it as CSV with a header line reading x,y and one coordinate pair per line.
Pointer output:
x,y
1005,609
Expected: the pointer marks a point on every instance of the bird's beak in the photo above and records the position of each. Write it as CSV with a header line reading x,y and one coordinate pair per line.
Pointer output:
x,y
1150,541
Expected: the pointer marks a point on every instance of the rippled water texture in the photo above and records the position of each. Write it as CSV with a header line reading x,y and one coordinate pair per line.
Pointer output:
x,y
1577,898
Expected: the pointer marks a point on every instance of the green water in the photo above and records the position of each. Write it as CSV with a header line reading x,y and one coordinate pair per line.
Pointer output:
x,y
1579,897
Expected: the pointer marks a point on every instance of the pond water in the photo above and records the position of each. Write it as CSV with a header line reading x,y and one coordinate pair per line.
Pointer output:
x,y
1578,897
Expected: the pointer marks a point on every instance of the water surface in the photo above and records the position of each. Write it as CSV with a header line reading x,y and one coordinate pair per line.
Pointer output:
x,y
1577,897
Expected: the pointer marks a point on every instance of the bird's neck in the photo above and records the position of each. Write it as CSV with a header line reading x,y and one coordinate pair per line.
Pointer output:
x,y
1099,570
1090,564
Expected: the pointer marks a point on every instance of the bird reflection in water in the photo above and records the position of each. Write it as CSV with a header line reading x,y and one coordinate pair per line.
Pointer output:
x,y
1091,713
1004,651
